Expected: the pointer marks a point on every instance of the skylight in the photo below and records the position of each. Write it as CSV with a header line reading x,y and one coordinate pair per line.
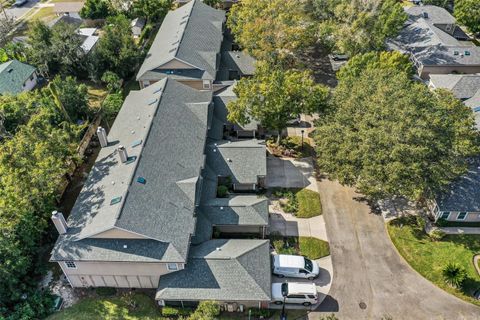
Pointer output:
x,y
115,200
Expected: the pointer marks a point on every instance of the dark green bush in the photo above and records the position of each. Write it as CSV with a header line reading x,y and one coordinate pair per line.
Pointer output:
x,y
106,291
222,191
176,312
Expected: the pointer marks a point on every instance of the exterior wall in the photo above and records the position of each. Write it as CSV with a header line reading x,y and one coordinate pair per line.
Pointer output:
x,y
175,64
425,71
30,83
241,229
471,217
195,84
115,233
115,274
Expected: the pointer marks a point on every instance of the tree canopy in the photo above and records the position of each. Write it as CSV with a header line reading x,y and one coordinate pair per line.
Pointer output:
x,y
357,26
152,10
271,30
96,9
388,135
116,49
467,12
274,96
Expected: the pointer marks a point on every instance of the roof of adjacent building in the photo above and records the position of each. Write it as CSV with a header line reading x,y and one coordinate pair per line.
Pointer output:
x,y
137,25
238,61
222,270
179,38
13,75
433,37
89,38
163,127
463,86
464,193
244,160
68,7
447,55
71,19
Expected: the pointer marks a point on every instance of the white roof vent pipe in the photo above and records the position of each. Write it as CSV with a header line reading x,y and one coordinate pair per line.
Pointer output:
x,y
122,152
102,137
59,222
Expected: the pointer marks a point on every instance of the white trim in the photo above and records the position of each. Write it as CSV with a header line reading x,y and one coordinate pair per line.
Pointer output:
x,y
441,215
204,84
464,218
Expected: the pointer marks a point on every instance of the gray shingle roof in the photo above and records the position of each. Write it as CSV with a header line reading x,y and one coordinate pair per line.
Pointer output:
x,y
238,61
237,210
464,193
169,121
222,270
13,75
243,160
447,55
191,34
462,86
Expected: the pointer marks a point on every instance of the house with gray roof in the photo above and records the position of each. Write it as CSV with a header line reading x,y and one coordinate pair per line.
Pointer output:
x,y
186,48
436,44
16,77
225,4
461,201
149,207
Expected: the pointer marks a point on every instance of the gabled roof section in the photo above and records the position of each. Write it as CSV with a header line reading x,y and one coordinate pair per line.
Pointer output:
x,y
463,86
13,75
164,133
222,270
192,34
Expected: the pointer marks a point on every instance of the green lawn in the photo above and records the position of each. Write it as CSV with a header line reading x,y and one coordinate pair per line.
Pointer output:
x,y
113,308
429,258
309,247
308,204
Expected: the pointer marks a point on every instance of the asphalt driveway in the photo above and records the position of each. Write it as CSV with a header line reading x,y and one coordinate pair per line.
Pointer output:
x,y
371,280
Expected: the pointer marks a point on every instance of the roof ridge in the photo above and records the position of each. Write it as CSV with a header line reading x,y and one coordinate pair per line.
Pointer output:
x,y
184,28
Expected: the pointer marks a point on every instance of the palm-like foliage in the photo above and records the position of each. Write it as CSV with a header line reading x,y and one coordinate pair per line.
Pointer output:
x,y
454,274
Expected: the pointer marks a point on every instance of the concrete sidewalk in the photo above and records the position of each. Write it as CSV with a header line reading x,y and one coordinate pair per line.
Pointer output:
x,y
460,230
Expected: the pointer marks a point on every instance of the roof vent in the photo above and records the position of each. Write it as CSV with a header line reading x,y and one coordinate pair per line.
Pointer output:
x,y
467,53
141,180
115,200
221,208
102,137
218,249
10,70
425,15
229,160
456,53
158,90
125,246
136,143
238,56
152,101
122,152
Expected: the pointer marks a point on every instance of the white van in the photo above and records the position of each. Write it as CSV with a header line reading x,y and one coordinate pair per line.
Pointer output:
x,y
294,266
294,292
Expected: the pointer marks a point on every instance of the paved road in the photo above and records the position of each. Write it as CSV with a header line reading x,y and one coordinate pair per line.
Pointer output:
x,y
17,12
371,280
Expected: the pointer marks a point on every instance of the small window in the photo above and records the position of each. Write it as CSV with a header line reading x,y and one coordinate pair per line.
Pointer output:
x,y
461,216
206,84
172,266
70,265
445,215
311,296
296,296
456,53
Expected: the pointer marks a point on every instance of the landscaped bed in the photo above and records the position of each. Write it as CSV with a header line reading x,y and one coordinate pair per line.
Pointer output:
x,y
291,147
430,257
113,308
302,203
309,247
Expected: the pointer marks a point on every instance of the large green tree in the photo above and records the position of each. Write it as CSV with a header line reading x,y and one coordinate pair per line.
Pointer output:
x,y
116,49
96,9
274,97
388,135
73,97
271,30
152,10
467,12
356,26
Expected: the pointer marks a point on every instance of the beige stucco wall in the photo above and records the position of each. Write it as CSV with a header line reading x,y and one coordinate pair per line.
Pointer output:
x,y
116,233
195,84
175,64
115,274
426,70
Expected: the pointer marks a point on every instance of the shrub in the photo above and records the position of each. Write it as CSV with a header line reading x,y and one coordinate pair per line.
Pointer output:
x,y
222,191
420,222
105,291
441,222
436,235
454,274
175,312
206,310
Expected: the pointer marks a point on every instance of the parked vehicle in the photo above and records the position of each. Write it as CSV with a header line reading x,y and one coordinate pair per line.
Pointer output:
x,y
20,3
294,266
294,292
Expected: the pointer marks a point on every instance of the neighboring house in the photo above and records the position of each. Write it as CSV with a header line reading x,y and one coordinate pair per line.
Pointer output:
x,y
474,103
194,47
436,44
16,77
68,8
137,25
186,48
461,202
90,38
148,215
67,19
226,4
